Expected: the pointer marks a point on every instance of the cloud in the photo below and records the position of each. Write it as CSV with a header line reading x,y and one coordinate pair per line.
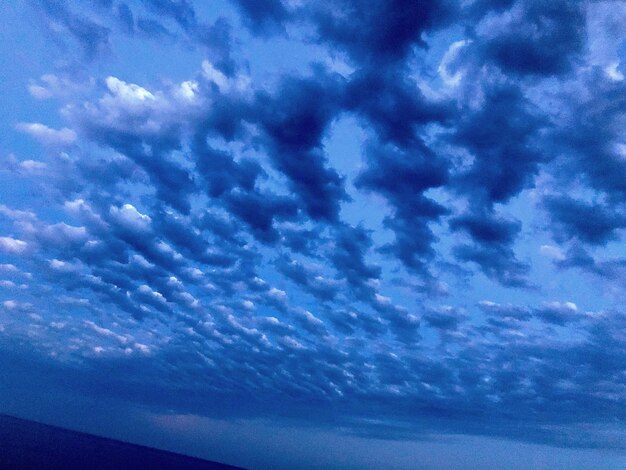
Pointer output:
x,y
130,218
214,239
533,38
592,223
402,177
500,136
558,313
308,278
91,36
348,258
13,245
263,17
46,135
380,33
445,318
295,120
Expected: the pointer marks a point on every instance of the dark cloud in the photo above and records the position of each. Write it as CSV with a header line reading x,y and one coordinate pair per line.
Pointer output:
x,y
579,257
307,278
535,38
93,38
497,262
500,135
402,177
153,29
180,11
295,120
382,32
393,105
348,258
558,313
444,318
187,238
263,17
590,134
492,249
259,210
125,17
591,223
304,241
222,173
487,228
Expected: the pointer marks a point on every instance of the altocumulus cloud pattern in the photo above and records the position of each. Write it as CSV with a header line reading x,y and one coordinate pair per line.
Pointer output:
x,y
395,217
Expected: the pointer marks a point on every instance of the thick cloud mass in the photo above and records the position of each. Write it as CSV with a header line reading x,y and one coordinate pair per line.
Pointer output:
x,y
393,218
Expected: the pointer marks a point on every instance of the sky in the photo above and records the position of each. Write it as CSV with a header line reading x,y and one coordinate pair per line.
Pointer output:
x,y
306,234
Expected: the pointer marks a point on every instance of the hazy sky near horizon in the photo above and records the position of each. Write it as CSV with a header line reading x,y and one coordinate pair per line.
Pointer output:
x,y
396,221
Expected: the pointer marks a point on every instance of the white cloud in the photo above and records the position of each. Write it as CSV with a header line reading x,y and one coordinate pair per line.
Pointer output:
x,y
451,76
188,90
15,305
613,73
12,245
9,268
278,295
130,218
142,348
33,166
105,332
63,233
168,250
195,273
63,266
553,252
240,83
141,261
17,215
51,86
565,306
47,135
291,343
144,289
214,75
128,92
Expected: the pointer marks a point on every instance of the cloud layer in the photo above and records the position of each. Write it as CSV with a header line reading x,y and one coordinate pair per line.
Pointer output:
x,y
422,224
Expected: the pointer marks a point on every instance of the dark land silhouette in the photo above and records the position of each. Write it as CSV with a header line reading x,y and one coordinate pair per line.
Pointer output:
x,y
30,445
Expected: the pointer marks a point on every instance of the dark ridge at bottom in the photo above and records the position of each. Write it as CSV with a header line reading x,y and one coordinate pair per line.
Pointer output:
x,y
30,445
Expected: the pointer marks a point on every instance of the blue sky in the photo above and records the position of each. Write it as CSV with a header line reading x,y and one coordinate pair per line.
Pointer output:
x,y
390,228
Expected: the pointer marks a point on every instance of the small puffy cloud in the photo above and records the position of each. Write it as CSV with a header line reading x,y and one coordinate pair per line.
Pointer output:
x,y
47,135
278,295
15,305
553,252
63,234
445,318
64,266
130,218
13,245
128,92
558,313
33,167
17,215
55,86
613,73
291,343
188,90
